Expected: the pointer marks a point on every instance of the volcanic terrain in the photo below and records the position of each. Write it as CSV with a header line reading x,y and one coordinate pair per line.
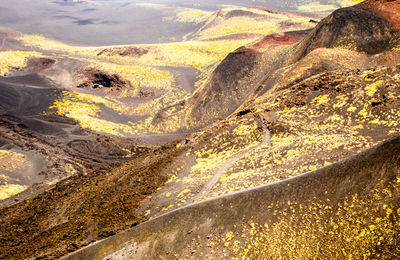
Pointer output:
x,y
265,134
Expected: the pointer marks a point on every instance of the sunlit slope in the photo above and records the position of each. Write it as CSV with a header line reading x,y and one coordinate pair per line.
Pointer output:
x,y
346,209
262,62
140,82
330,116
369,28
120,90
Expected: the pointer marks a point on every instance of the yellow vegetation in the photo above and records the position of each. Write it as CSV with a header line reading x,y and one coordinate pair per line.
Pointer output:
x,y
240,25
85,109
353,229
245,129
372,88
9,190
190,15
322,99
12,60
40,41
197,54
10,161
262,23
137,76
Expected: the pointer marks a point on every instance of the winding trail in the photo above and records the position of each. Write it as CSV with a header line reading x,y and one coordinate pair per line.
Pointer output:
x,y
228,165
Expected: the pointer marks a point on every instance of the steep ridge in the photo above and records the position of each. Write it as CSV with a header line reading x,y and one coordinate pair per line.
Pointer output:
x,y
342,209
357,28
239,74
361,29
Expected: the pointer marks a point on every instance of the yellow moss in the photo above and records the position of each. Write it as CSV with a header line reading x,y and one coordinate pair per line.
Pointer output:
x,y
11,161
190,15
322,99
137,76
229,236
11,60
83,108
9,190
245,129
372,88
292,153
352,109
183,193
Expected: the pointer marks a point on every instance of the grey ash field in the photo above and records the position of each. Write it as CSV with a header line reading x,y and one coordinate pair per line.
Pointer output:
x,y
232,131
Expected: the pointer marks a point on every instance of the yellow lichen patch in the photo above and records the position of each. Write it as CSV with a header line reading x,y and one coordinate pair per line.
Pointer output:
x,y
9,190
372,88
240,25
215,160
85,109
167,208
137,76
352,109
40,41
334,118
245,129
341,100
11,161
183,193
352,229
191,15
261,23
292,153
197,54
12,60
322,99
229,236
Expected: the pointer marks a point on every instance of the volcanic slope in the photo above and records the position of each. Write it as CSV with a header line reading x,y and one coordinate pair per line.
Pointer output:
x,y
360,29
322,109
99,96
348,208
332,103
81,111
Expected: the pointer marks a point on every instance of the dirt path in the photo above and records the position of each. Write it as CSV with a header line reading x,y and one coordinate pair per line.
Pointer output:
x,y
228,165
